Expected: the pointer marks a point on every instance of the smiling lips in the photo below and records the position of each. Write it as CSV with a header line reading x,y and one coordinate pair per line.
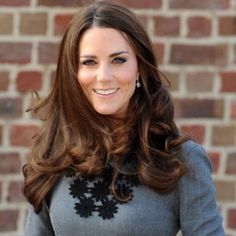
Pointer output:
x,y
106,92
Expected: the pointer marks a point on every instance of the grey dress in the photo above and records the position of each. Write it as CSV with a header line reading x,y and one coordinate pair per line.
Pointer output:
x,y
82,206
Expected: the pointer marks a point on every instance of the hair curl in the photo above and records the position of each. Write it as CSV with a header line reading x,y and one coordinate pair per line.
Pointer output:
x,y
75,136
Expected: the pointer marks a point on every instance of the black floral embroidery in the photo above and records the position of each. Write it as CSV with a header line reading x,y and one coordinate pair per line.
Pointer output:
x,y
99,191
80,184
107,209
85,207
94,194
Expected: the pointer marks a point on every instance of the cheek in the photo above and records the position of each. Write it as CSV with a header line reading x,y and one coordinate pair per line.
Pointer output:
x,y
128,77
85,77
130,72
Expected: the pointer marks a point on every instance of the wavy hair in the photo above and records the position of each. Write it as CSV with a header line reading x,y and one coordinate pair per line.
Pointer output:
x,y
75,136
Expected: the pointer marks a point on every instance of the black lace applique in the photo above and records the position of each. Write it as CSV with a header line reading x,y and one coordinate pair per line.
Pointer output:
x,y
107,209
85,208
94,195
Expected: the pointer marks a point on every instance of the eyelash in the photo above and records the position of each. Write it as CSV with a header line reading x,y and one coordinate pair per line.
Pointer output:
x,y
88,62
117,60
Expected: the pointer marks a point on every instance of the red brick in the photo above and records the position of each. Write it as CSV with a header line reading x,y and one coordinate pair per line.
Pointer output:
x,y
63,3
14,3
199,54
196,132
156,4
15,52
29,81
224,135
167,26
199,108
199,81
28,21
173,78
15,192
231,218
4,80
48,52
233,109
1,135
21,135
215,160
199,27
6,23
231,164
10,163
206,4
159,51
225,190
10,107
61,22
130,3
8,220
228,81
227,25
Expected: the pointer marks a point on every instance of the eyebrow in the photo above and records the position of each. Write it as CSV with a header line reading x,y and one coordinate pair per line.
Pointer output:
x,y
112,55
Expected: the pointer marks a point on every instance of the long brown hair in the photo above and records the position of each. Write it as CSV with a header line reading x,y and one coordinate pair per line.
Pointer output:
x,y
75,136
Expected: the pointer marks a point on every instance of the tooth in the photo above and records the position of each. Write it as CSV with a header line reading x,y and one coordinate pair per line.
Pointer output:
x,y
105,92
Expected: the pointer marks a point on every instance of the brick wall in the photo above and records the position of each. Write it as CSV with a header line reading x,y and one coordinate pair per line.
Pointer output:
x,y
195,42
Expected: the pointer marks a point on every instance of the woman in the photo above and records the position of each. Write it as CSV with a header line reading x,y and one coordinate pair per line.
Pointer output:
x,y
109,159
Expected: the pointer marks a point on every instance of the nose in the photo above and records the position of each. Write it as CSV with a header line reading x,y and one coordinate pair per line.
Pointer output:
x,y
104,73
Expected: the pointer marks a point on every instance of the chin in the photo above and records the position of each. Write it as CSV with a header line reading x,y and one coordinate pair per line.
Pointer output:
x,y
107,111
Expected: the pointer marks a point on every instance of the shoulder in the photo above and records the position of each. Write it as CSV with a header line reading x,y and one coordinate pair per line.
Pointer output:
x,y
190,146
195,156
197,178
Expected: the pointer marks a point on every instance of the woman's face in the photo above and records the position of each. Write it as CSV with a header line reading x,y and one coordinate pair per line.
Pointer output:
x,y
108,70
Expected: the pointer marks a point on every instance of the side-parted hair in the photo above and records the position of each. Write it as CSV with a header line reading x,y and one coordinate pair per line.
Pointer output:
x,y
74,136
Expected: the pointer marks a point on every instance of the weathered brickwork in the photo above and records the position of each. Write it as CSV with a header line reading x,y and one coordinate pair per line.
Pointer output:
x,y
195,43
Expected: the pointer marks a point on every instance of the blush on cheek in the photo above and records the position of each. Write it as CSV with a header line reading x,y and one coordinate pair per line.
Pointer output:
x,y
85,76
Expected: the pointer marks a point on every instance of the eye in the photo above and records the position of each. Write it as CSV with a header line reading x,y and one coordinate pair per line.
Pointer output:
x,y
88,62
119,60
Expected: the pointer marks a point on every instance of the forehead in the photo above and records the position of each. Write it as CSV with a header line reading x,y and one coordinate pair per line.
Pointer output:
x,y
105,39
